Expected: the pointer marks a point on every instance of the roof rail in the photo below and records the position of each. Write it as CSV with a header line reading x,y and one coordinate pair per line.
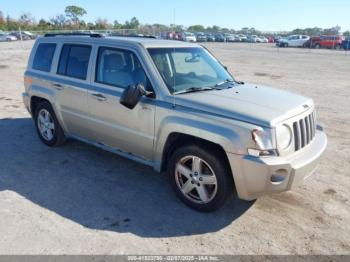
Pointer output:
x,y
74,34
137,36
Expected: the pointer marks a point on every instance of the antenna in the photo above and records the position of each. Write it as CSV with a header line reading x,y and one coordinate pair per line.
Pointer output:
x,y
174,75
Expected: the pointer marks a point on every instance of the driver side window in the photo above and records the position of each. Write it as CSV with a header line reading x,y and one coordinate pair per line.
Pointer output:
x,y
120,68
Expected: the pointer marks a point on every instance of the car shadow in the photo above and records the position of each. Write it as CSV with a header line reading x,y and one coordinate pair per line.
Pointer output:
x,y
99,190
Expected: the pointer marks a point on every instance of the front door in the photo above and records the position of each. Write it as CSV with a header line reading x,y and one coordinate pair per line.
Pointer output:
x,y
131,131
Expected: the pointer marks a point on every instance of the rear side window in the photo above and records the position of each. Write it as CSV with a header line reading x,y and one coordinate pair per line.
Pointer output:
x,y
74,61
43,57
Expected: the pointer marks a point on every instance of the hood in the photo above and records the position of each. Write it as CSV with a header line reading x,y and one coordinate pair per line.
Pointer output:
x,y
260,105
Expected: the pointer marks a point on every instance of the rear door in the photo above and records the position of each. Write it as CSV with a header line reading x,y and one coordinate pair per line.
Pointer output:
x,y
71,84
131,131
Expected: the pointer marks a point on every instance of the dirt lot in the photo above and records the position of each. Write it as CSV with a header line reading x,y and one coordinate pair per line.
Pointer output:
x,y
77,199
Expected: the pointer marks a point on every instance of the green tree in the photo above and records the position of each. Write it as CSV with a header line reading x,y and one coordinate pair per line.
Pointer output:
x,y
2,21
101,23
11,24
117,25
58,21
214,29
132,24
74,13
43,24
332,31
26,21
196,28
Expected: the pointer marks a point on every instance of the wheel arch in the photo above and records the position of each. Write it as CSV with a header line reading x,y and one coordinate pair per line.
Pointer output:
x,y
176,140
39,94
175,131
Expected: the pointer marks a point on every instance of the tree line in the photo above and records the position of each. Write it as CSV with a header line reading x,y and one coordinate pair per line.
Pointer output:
x,y
71,19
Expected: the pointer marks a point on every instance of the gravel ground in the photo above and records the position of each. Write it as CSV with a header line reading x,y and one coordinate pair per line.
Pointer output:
x,y
77,199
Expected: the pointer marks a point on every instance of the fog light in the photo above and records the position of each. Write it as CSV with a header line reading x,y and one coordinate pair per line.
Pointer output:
x,y
279,177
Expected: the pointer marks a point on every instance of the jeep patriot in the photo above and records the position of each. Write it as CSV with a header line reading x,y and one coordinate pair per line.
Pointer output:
x,y
173,106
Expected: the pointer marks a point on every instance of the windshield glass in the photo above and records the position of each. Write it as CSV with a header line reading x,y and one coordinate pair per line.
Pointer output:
x,y
184,68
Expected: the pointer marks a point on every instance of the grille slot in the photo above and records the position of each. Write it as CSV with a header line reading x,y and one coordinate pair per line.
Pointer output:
x,y
304,131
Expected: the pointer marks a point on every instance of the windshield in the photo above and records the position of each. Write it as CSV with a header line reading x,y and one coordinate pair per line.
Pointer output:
x,y
185,68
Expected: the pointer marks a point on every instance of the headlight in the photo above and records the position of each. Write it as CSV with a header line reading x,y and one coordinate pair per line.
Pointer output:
x,y
284,136
264,144
262,139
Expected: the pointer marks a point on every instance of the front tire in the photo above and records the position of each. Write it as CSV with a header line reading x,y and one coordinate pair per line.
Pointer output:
x,y
47,126
200,177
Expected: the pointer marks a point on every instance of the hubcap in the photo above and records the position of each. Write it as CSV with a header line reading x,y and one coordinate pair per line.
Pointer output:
x,y
46,125
196,179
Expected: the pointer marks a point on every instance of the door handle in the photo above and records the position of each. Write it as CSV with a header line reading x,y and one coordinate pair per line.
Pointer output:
x,y
58,86
99,96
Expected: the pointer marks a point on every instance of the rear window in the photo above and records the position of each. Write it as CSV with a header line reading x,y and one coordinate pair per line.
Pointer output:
x,y
74,61
43,57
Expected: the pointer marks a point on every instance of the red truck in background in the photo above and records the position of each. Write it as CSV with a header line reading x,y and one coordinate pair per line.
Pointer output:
x,y
325,41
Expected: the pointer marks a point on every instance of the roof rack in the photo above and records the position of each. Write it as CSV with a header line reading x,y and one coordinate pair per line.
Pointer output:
x,y
74,34
137,36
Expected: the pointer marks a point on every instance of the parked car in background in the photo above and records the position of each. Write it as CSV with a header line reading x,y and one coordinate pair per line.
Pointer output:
x,y
31,35
5,37
210,38
20,35
346,44
313,39
254,39
293,41
230,38
188,37
277,39
201,37
242,38
220,38
326,41
263,39
270,39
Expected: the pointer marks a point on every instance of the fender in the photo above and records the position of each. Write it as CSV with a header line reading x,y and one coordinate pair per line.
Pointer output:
x,y
37,90
226,137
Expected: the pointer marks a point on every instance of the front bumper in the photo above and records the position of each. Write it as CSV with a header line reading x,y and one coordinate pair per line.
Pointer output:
x,y
259,176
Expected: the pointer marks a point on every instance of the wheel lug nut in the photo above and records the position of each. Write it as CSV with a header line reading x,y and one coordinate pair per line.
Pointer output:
x,y
192,182
200,179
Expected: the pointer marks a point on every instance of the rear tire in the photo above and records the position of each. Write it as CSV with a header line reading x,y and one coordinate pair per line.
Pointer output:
x,y
200,177
47,126
317,46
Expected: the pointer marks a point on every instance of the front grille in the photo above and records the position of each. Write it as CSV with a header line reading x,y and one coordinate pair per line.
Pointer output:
x,y
304,131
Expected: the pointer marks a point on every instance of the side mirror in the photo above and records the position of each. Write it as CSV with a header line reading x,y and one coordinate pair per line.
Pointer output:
x,y
132,95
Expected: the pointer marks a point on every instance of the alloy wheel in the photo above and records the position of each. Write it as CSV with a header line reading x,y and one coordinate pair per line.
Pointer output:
x,y
196,179
46,125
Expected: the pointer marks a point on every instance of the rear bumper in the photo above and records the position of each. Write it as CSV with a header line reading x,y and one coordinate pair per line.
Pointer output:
x,y
26,102
259,176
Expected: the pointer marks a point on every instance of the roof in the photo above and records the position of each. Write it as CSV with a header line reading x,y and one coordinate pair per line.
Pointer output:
x,y
146,42
151,42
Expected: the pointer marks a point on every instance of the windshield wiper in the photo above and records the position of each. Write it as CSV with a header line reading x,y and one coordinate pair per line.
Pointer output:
x,y
228,81
195,89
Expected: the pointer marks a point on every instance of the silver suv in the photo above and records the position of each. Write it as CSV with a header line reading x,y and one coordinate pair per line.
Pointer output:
x,y
171,105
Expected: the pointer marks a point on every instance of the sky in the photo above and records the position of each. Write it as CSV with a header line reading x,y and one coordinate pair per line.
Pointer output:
x,y
266,15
